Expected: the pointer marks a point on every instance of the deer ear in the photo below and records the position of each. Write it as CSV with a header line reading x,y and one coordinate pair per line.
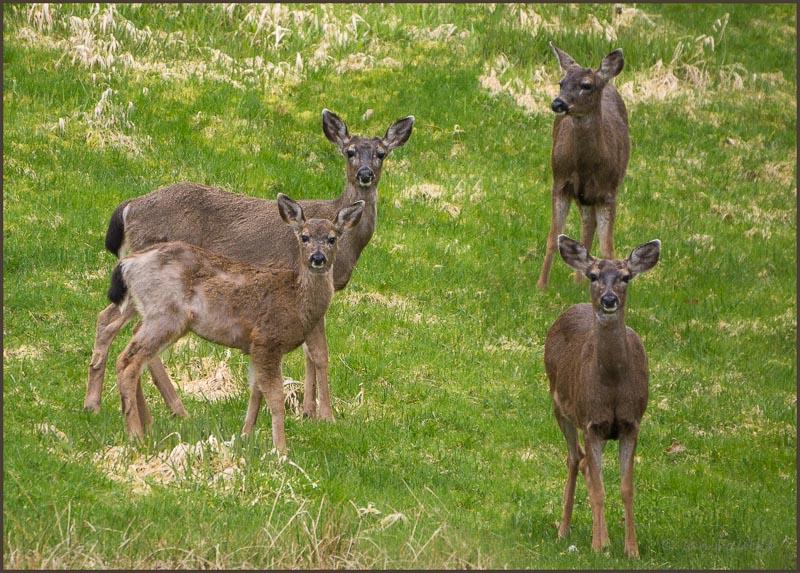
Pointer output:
x,y
335,129
575,254
349,217
611,65
644,257
290,211
564,59
398,133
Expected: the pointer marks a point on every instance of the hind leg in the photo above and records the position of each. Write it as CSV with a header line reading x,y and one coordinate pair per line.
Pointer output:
x,y
164,384
143,347
109,322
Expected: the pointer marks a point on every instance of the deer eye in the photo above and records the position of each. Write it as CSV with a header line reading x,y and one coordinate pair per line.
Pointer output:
x,y
626,278
331,240
305,238
586,85
593,277
380,154
351,152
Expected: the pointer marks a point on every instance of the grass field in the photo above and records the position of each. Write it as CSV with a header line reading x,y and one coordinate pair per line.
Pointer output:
x,y
446,453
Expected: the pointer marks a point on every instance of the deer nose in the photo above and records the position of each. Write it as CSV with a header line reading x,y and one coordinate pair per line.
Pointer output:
x,y
559,106
365,175
609,302
317,260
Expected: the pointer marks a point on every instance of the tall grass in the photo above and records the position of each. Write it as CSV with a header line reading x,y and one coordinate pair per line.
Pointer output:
x,y
445,453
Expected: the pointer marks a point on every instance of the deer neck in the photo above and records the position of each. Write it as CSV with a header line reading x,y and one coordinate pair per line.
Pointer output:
x,y
369,195
357,238
611,346
315,294
588,132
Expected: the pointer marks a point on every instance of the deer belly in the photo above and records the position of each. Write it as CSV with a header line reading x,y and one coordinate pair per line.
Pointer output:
x,y
220,325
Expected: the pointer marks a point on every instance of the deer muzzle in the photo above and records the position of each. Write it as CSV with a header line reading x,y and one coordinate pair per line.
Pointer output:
x,y
318,261
559,106
365,176
609,303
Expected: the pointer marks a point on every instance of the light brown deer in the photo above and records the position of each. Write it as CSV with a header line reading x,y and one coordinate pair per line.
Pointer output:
x,y
590,153
176,288
598,380
247,229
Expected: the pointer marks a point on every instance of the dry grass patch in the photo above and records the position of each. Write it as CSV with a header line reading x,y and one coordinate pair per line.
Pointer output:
x,y
208,461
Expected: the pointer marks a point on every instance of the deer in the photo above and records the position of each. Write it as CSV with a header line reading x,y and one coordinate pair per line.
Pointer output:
x,y
591,147
250,230
176,288
598,375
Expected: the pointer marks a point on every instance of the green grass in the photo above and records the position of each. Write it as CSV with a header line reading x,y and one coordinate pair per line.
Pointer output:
x,y
445,453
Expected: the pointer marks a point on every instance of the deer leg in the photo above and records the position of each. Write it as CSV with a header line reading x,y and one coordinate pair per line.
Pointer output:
x,y
317,350
148,340
254,404
606,213
574,456
164,384
627,450
269,381
597,494
588,227
310,385
130,365
561,201
145,418
109,322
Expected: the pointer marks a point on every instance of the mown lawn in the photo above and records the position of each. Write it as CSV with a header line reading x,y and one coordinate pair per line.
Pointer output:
x,y
445,453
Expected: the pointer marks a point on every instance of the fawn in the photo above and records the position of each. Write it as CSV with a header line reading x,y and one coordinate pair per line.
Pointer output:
x,y
177,287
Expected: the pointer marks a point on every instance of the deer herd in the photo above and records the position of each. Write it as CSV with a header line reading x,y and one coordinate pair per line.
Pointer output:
x,y
259,275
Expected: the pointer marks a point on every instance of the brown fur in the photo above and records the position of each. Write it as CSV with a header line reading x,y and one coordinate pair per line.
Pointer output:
x,y
249,229
178,288
598,375
590,153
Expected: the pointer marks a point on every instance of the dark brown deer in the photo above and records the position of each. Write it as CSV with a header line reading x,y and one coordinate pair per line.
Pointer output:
x,y
590,153
250,230
176,288
599,381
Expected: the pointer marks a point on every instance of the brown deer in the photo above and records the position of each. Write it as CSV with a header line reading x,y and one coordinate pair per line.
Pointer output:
x,y
590,153
598,375
247,229
176,288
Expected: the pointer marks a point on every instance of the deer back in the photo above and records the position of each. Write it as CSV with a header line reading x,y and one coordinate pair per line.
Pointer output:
x,y
240,227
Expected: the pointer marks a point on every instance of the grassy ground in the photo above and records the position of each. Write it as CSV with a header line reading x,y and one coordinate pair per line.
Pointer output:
x,y
446,453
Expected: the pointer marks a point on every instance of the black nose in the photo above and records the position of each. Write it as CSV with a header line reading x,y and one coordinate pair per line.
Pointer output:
x,y
559,106
317,260
609,301
365,175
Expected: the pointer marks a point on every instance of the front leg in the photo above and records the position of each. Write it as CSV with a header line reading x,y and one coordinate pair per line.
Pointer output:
x,y
594,482
561,202
253,404
310,386
588,227
627,451
605,214
317,355
268,381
